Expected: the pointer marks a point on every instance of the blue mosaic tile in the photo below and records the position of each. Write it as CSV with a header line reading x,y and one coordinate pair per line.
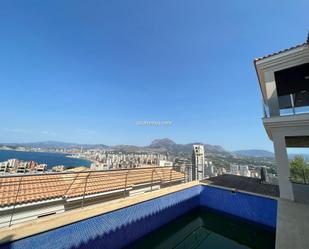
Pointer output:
x,y
121,227
250,207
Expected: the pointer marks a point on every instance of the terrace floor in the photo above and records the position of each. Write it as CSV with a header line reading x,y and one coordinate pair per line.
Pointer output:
x,y
301,193
292,225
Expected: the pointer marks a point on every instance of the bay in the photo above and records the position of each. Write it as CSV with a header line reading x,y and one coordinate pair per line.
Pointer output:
x,y
50,158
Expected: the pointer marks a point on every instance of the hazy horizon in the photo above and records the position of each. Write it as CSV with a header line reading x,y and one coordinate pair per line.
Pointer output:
x,y
131,144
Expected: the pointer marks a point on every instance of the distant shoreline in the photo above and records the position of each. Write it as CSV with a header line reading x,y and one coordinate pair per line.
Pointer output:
x,y
70,155
48,157
9,149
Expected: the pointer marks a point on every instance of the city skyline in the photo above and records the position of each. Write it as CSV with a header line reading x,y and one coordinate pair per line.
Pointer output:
x,y
87,73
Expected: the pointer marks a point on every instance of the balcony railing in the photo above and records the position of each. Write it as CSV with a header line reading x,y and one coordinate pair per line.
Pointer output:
x,y
20,194
291,104
266,113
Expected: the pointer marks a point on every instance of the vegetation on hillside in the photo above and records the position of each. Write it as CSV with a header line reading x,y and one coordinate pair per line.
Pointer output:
x,y
299,170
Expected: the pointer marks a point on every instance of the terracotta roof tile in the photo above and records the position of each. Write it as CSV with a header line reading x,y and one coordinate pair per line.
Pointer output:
x,y
31,188
282,51
285,50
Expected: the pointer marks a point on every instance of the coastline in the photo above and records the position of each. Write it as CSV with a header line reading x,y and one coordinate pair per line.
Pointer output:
x,y
34,151
51,158
71,155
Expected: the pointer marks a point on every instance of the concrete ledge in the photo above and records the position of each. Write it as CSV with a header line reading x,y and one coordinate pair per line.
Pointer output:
x,y
52,222
239,191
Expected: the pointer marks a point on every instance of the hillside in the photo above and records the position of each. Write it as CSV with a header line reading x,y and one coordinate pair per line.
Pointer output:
x,y
254,153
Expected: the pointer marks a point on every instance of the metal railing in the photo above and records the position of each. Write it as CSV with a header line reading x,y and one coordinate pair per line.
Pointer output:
x,y
29,196
300,175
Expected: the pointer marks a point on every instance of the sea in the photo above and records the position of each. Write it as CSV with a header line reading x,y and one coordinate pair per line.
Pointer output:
x,y
50,158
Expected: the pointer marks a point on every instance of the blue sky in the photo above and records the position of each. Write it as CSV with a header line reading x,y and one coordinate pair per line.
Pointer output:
x,y
86,71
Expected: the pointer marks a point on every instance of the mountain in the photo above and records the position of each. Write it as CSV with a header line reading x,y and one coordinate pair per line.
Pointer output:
x,y
167,144
157,145
254,153
164,145
265,153
126,148
49,144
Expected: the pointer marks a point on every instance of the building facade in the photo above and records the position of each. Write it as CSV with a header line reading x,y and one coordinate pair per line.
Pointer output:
x,y
284,83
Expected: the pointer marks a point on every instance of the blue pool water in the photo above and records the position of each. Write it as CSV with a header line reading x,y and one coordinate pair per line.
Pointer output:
x,y
51,159
205,228
125,226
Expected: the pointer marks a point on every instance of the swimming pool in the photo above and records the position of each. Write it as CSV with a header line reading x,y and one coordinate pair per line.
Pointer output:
x,y
122,227
207,228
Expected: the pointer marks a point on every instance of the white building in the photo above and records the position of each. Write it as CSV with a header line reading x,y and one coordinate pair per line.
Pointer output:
x,y
209,169
234,169
198,162
58,168
222,171
12,162
164,163
244,170
284,83
41,167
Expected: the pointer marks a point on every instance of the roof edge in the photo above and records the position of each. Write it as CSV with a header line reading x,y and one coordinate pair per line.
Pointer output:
x,y
281,51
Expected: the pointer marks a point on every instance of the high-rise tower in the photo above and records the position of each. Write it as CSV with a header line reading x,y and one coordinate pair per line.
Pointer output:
x,y
198,162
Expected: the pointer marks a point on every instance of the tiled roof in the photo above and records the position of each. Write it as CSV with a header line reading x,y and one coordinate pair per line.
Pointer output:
x,y
285,50
282,51
31,188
